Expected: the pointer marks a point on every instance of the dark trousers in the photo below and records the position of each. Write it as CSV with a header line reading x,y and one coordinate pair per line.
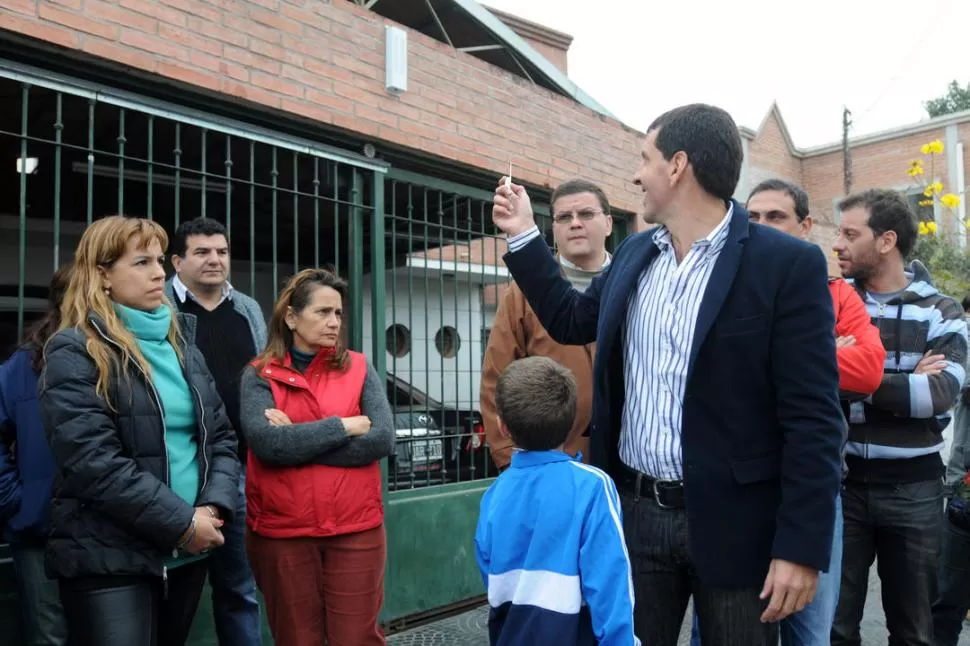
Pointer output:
x,y
322,590
953,599
40,599
235,607
664,580
133,610
898,526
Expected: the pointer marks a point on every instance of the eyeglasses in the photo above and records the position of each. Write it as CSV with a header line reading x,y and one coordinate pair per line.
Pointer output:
x,y
585,215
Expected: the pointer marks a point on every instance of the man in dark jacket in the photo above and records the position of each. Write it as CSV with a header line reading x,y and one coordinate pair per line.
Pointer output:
x,y
715,398
230,330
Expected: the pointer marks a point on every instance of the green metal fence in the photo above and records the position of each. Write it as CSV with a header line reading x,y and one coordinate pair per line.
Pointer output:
x,y
421,255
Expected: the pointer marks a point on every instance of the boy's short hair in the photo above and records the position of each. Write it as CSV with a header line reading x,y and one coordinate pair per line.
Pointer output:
x,y
536,399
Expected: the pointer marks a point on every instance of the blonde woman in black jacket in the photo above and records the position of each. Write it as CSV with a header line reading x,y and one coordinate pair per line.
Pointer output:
x,y
145,455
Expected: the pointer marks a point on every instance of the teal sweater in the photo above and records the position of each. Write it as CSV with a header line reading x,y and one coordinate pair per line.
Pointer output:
x,y
181,433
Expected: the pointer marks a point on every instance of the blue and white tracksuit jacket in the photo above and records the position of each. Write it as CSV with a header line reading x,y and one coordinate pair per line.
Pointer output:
x,y
550,547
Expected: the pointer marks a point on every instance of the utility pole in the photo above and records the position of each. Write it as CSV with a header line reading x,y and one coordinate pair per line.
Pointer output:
x,y
846,154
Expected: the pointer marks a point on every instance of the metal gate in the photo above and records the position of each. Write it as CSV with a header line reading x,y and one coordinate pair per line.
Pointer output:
x,y
421,256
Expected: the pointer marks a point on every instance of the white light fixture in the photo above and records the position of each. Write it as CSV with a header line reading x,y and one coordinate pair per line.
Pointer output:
x,y
395,59
27,165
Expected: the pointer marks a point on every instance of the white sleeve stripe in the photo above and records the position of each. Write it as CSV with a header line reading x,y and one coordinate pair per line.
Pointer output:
x,y
614,513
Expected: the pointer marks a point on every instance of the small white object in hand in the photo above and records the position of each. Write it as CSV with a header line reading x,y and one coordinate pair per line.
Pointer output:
x,y
508,178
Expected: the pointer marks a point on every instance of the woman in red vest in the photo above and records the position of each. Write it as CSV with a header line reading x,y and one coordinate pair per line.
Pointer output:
x,y
317,421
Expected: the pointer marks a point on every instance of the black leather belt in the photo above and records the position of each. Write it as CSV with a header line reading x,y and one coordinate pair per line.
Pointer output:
x,y
668,494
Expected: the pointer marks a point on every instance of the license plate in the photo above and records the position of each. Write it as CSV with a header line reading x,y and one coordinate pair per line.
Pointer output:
x,y
426,451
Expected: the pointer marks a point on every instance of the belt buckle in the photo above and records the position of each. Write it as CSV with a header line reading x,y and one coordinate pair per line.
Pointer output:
x,y
656,494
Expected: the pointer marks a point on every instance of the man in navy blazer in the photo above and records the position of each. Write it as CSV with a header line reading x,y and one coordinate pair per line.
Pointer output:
x,y
715,403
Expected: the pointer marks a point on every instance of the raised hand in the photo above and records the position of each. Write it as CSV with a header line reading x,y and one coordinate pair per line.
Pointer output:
x,y
512,208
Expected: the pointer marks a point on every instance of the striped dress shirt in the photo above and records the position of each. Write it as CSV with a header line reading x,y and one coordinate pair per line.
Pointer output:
x,y
657,340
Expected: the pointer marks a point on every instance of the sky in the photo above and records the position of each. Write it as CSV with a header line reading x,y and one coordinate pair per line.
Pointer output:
x,y
879,58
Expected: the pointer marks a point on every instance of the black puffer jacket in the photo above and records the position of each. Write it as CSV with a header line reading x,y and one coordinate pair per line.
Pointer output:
x,y
112,511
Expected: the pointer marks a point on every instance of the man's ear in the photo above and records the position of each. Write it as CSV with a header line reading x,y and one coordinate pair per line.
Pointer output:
x,y
176,261
502,428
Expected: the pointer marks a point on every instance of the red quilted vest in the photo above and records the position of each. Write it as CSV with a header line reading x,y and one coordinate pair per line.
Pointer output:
x,y
314,500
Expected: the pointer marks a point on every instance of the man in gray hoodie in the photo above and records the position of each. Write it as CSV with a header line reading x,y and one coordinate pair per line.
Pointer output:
x,y
893,493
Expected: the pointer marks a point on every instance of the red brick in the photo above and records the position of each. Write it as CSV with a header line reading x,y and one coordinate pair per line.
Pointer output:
x,y
355,65
158,10
369,128
154,45
240,23
181,72
249,59
111,12
276,22
42,31
325,99
250,93
75,21
215,31
269,50
196,9
237,72
373,114
115,52
27,7
276,84
190,41
307,110
355,94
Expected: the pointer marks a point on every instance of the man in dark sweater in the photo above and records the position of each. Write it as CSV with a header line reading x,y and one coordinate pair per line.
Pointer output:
x,y
230,331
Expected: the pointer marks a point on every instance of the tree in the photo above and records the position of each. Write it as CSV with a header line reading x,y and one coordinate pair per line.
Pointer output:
x,y
956,99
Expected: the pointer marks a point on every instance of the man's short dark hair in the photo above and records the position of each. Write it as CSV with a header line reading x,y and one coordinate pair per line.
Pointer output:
x,y
888,211
195,227
711,140
966,302
577,186
795,192
536,399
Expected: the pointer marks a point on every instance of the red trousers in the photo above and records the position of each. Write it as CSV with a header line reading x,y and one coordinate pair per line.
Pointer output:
x,y
321,590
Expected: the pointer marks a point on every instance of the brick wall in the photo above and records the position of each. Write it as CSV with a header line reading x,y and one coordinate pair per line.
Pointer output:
x,y
877,165
769,155
325,61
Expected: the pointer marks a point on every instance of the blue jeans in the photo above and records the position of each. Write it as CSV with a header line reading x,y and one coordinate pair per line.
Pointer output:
x,y
235,607
40,599
813,625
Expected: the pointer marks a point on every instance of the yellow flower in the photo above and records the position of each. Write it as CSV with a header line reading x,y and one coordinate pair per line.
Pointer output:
x,y
950,200
932,189
915,167
931,227
923,230
932,148
926,202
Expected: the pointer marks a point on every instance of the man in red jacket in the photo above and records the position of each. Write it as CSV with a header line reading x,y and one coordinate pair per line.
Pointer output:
x,y
860,354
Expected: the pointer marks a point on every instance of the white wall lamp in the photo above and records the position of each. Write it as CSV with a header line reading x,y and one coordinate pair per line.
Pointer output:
x,y
395,59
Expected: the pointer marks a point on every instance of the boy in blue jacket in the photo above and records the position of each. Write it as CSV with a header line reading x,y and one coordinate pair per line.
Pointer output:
x,y
550,542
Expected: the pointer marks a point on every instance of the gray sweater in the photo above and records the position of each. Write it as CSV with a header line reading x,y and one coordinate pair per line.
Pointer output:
x,y
322,442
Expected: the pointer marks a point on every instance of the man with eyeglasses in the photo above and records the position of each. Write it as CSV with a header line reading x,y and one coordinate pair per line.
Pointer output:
x,y
581,225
